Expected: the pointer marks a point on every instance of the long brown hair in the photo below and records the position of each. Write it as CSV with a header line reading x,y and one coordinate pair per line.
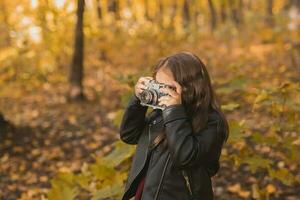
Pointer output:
x,y
198,96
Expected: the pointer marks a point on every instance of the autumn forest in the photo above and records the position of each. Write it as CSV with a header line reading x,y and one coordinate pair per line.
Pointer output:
x,y
68,68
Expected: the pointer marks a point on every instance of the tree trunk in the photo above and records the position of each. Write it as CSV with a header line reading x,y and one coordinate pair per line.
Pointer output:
x,y
114,7
147,15
291,3
99,11
173,14
76,70
186,13
213,15
6,25
160,14
241,10
236,9
269,11
4,125
2,120
223,11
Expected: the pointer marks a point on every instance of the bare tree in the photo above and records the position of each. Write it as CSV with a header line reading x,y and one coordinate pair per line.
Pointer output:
x,y
213,14
5,26
223,11
291,3
173,13
147,15
4,124
114,6
236,10
186,13
76,69
269,11
99,11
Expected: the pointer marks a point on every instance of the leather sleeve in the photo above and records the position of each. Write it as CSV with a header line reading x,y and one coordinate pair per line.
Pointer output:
x,y
133,121
186,147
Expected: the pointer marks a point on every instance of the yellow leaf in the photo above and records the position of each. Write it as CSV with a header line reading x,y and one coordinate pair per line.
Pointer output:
x,y
270,188
43,179
236,188
72,119
65,169
255,191
230,106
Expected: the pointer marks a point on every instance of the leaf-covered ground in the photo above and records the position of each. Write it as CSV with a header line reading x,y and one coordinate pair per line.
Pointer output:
x,y
48,134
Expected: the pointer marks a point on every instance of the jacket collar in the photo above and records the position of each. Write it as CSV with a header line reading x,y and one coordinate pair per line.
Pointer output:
x,y
155,116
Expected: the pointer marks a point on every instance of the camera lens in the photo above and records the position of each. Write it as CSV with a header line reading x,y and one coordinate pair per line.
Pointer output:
x,y
149,97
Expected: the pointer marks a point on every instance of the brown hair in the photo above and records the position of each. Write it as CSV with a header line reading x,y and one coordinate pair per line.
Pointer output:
x,y
198,96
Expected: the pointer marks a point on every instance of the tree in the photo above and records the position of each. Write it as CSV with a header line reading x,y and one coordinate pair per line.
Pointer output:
x,y
2,119
269,11
186,13
147,7
114,6
213,14
292,3
223,11
5,26
4,124
236,9
99,11
76,69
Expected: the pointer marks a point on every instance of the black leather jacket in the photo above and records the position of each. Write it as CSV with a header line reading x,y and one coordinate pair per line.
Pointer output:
x,y
197,153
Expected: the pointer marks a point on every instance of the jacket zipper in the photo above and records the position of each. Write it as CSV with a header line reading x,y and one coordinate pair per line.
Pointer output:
x,y
165,167
162,177
147,152
149,140
185,175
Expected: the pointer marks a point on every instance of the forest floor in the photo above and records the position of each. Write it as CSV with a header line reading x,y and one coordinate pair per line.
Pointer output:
x,y
47,134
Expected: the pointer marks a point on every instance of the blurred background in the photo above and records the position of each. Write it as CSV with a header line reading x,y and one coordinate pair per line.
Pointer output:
x,y
67,69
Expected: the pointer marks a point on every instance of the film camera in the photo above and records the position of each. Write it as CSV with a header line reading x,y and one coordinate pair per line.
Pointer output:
x,y
149,97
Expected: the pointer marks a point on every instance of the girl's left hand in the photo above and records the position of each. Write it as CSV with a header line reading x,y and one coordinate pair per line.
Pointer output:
x,y
174,98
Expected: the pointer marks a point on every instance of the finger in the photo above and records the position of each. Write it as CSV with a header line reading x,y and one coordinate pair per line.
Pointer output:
x,y
141,80
144,80
171,92
177,86
140,89
164,98
141,86
148,77
162,103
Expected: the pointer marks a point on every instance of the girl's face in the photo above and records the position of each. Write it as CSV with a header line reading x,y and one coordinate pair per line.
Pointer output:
x,y
164,75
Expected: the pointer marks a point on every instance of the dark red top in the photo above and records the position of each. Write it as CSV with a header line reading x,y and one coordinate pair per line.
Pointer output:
x,y
139,190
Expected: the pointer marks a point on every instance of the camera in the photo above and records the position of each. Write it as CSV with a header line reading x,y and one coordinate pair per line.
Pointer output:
x,y
149,97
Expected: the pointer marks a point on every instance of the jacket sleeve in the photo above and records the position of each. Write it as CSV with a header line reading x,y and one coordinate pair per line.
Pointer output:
x,y
133,121
186,147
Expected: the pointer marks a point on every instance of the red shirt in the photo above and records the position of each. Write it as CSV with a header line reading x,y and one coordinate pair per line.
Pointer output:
x,y
139,190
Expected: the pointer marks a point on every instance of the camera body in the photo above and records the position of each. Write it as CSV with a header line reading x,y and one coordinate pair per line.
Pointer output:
x,y
149,97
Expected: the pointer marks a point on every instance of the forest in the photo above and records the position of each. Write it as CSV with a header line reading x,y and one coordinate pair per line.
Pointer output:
x,y
68,68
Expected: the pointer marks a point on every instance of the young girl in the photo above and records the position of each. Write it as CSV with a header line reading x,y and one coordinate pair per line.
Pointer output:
x,y
178,148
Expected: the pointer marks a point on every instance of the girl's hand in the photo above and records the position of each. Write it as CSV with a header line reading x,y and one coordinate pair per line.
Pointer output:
x,y
174,97
140,85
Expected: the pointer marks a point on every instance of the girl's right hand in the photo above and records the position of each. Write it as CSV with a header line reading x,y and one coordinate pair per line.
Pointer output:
x,y
140,85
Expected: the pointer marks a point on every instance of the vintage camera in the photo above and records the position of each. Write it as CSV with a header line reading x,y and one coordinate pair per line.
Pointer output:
x,y
149,97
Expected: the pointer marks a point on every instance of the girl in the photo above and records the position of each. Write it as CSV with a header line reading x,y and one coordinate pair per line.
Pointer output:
x,y
178,148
